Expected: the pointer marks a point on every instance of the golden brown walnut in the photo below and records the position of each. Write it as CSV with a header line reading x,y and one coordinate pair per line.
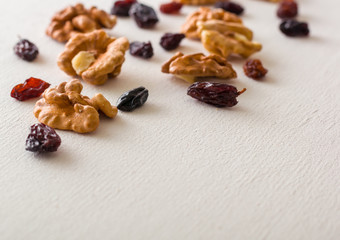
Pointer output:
x,y
103,57
189,67
196,2
189,28
77,19
63,107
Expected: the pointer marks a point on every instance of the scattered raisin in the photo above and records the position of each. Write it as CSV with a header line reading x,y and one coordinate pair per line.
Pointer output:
x,y
217,94
26,50
31,88
122,8
170,8
293,28
42,139
144,15
287,9
141,49
230,7
170,41
253,68
133,99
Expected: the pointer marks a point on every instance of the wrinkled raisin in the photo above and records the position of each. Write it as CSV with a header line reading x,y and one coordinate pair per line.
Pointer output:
x,y
144,15
253,68
293,28
230,7
26,50
170,41
122,8
31,88
172,7
133,99
141,49
287,9
217,94
42,138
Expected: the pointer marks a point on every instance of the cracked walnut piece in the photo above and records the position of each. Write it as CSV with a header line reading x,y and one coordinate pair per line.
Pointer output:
x,y
189,67
196,2
94,56
63,107
189,28
78,19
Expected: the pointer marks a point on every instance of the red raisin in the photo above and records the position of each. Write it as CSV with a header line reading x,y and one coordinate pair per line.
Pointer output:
x,y
144,15
217,94
253,68
31,88
170,41
170,8
230,7
42,138
141,49
26,50
287,9
293,28
122,8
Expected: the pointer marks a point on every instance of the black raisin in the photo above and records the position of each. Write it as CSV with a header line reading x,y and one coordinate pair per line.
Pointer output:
x,y
26,50
122,8
42,139
170,41
133,99
141,49
293,28
230,7
144,15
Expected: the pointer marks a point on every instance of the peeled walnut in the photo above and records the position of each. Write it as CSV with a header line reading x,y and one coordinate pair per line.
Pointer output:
x,y
63,107
78,19
230,43
94,56
196,2
189,67
203,14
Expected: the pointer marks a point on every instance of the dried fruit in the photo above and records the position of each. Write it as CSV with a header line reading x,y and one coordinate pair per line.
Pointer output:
x,y
293,28
141,49
253,68
122,8
42,139
133,99
217,94
144,15
230,7
31,88
26,50
287,9
170,41
172,7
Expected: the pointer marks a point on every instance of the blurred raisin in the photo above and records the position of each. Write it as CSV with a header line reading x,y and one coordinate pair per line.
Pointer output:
x,y
217,94
253,68
122,8
144,15
141,49
170,8
170,41
26,50
230,7
31,88
42,139
287,9
133,99
293,28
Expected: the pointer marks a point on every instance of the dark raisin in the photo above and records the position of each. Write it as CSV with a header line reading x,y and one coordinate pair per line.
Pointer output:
x,y
141,49
293,28
253,68
172,7
217,94
170,41
42,139
144,15
31,88
133,99
26,50
287,9
230,7
122,8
